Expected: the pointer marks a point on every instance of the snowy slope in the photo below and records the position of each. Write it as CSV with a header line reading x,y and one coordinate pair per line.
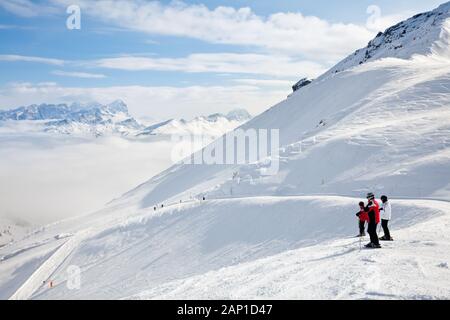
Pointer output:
x,y
349,132
381,126
410,268
191,239
389,134
12,230
280,247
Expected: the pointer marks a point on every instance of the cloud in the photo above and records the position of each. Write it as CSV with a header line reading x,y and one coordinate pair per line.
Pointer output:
x,y
378,22
293,45
6,26
293,33
274,65
62,176
15,27
19,58
158,102
83,75
265,82
229,63
26,8
152,42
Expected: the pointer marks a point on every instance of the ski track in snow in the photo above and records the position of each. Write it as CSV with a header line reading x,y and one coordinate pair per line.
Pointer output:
x,y
43,273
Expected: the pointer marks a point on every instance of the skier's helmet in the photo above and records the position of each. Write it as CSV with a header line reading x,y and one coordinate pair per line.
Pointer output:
x,y
384,198
370,196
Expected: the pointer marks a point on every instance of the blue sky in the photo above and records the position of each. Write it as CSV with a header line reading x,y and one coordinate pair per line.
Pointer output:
x,y
180,59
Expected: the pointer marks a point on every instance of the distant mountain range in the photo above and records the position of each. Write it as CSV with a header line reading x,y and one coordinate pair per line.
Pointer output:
x,y
214,124
98,120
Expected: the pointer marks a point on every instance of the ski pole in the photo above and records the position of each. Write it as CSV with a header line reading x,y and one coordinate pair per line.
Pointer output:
x,y
360,246
359,236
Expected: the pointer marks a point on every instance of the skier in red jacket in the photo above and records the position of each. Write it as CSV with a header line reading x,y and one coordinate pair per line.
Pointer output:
x,y
363,218
373,211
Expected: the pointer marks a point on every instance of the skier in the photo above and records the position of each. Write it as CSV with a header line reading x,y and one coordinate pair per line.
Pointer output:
x,y
373,211
363,217
385,217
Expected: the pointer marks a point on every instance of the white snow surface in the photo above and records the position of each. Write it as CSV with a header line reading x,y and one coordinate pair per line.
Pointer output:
x,y
382,126
411,268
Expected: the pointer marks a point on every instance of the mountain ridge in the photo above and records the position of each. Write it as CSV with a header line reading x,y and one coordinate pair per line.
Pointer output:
x,y
114,118
418,35
215,124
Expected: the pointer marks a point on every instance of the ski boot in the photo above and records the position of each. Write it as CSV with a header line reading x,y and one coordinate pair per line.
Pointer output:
x,y
373,246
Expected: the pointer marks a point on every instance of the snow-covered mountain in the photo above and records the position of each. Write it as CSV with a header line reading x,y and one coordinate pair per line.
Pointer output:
x,y
97,119
424,34
382,125
213,125
341,133
77,118
87,112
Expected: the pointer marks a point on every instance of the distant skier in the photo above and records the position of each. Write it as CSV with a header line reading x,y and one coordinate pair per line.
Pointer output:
x,y
385,218
363,217
373,211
